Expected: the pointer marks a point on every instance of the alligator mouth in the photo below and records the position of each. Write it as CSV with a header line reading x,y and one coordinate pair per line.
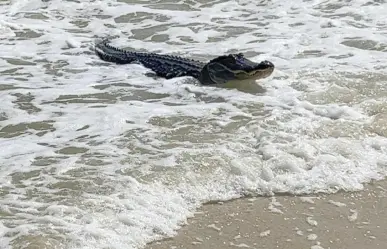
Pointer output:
x,y
261,70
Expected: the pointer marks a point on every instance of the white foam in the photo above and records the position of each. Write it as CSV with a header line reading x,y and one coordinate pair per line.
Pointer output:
x,y
311,221
337,203
154,149
312,236
353,216
265,233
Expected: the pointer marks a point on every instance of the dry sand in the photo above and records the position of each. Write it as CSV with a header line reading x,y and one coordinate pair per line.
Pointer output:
x,y
356,220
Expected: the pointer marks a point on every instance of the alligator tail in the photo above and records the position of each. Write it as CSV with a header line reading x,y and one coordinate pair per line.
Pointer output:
x,y
111,54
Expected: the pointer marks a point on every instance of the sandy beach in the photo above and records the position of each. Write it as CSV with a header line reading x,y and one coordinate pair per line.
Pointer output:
x,y
355,220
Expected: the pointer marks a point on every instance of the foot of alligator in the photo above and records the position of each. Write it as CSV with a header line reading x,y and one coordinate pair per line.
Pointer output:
x,y
223,69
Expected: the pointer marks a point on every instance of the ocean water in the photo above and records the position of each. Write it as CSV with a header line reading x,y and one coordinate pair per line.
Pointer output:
x,y
98,155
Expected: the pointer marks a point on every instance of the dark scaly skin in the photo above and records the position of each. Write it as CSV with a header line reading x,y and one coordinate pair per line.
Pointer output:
x,y
219,70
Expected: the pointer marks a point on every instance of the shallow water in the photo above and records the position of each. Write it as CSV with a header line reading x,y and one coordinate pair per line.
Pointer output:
x,y
97,155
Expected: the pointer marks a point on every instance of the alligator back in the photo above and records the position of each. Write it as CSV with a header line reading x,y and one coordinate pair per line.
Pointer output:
x,y
166,66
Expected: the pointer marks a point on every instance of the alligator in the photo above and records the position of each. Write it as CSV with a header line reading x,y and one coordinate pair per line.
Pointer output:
x,y
220,70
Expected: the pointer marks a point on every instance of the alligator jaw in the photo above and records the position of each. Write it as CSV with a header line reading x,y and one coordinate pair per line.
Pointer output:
x,y
260,71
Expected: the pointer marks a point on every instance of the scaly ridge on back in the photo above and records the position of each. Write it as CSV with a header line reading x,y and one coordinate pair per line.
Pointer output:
x,y
166,66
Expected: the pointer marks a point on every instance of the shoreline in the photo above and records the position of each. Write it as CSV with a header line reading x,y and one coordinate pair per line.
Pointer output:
x,y
353,220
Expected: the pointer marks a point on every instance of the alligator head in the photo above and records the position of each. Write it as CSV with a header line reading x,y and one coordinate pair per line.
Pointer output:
x,y
233,67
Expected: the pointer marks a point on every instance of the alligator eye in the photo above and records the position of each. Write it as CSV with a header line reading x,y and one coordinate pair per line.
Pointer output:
x,y
239,58
240,55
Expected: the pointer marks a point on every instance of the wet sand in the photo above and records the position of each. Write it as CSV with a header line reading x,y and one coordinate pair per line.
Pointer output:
x,y
355,220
